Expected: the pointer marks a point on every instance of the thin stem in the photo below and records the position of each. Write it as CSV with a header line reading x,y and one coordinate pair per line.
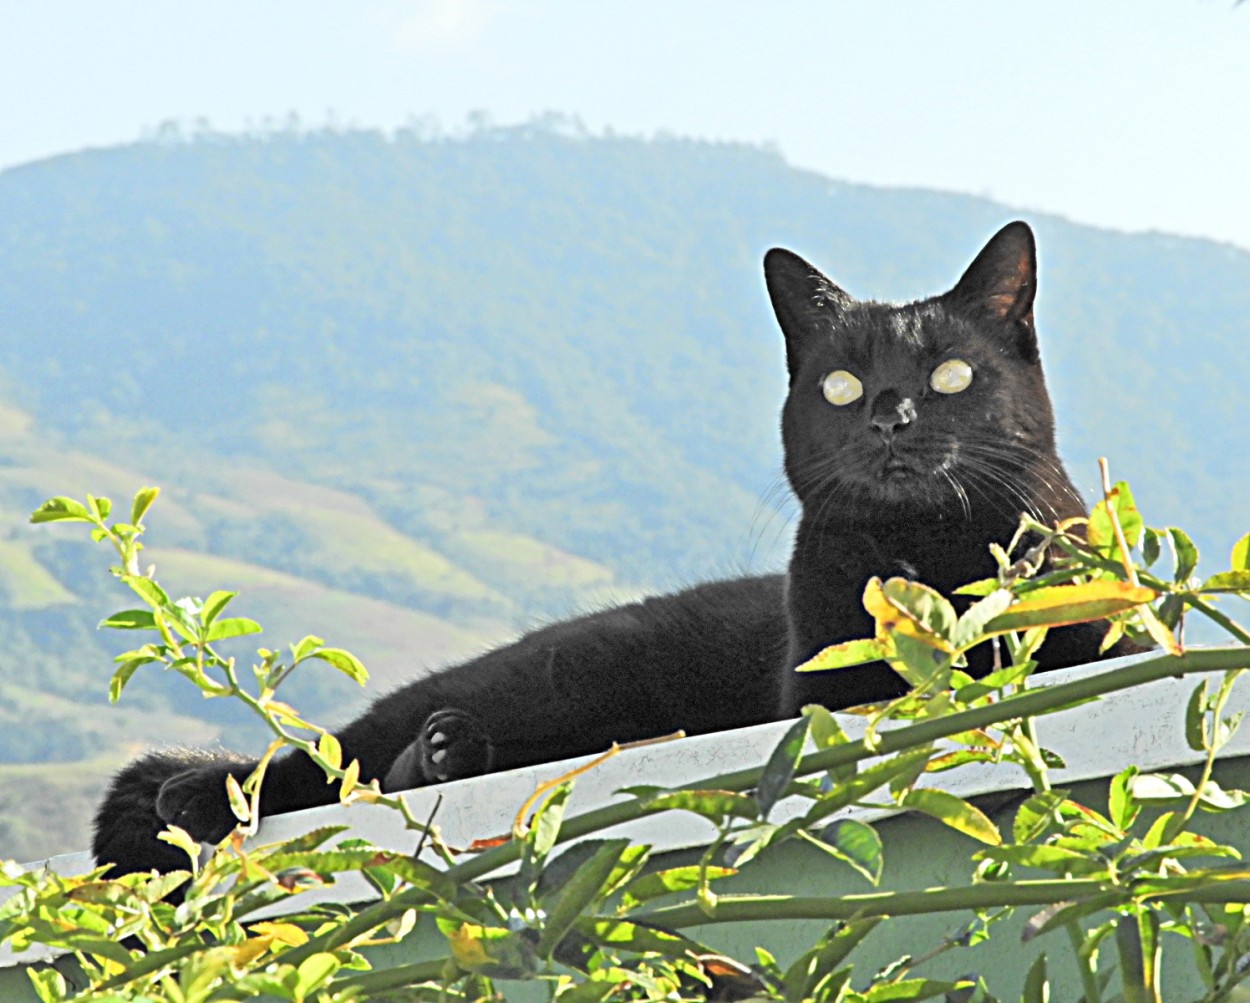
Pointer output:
x,y
1202,606
1129,571
1177,825
1043,699
990,895
392,978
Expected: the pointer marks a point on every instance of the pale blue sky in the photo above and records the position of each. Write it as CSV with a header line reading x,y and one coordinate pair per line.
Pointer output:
x,y
1128,114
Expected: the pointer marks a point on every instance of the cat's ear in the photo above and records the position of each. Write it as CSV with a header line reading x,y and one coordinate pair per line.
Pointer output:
x,y
1001,283
808,306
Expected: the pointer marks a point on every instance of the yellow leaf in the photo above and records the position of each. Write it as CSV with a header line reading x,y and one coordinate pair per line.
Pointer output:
x,y
1158,630
1064,604
467,947
893,618
242,955
283,933
351,776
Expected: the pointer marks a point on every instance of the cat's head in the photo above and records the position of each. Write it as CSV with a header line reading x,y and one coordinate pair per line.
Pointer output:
x,y
938,405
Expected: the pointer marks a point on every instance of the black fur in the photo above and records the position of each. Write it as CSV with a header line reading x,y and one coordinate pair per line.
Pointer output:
x,y
903,481
906,480
701,660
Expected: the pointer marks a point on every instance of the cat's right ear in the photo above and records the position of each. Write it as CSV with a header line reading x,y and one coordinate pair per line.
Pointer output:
x,y
807,304
1001,283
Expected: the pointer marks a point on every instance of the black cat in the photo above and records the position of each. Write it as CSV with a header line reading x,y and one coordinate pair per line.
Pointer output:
x,y
701,660
914,436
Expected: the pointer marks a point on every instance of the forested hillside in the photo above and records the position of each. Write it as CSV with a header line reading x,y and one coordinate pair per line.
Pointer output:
x,y
415,393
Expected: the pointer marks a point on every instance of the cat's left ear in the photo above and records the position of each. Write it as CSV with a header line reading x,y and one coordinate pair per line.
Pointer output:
x,y
808,305
1001,283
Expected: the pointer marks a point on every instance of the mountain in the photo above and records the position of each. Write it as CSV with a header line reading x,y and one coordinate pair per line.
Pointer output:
x,y
415,393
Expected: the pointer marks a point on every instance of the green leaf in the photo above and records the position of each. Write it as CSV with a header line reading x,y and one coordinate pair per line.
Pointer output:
x,y
925,605
305,647
144,498
1228,581
49,984
213,606
101,947
315,971
982,587
179,837
914,989
100,507
584,888
131,619
674,879
826,732
920,664
954,812
545,826
238,800
1157,789
821,962
1241,555
148,591
330,750
1227,728
1151,546
844,655
1045,857
997,680
123,673
1062,913
587,992
231,626
622,934
1101,533
1159,829
1036,815
855,843
714,805
345,662
1213,797
1185,554
781,765
1137,938
903,765
1195,718
1121,805
1036,985
969,626
59,509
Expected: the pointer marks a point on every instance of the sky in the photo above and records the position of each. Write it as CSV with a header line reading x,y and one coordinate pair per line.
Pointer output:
x,y
1126,115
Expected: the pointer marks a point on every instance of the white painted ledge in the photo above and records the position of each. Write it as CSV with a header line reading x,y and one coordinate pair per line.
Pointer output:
x,y
1143,726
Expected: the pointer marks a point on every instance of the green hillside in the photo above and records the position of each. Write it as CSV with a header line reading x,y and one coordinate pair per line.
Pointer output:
x,y
417,393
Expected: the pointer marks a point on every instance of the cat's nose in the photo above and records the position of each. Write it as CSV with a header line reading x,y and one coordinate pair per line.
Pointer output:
x,y
890,412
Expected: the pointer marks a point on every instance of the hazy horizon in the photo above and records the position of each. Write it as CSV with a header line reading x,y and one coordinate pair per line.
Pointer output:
x,y
1107,114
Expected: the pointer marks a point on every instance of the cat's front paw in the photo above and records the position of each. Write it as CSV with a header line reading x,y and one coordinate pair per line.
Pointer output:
x,y
196,800
452,745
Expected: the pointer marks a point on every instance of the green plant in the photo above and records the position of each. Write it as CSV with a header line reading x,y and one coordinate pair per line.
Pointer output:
x,y
601,919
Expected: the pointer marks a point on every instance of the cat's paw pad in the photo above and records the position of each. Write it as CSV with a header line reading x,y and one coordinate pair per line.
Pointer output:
x,y
196,800
453,745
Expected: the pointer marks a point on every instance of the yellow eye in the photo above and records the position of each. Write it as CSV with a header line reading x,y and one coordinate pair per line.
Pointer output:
x,y
951,377
841,387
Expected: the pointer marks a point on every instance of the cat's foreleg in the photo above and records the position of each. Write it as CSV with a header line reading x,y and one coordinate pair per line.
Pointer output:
x,y
133,813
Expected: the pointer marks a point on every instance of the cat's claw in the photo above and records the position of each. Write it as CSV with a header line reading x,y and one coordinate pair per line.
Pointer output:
x,y
195,800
